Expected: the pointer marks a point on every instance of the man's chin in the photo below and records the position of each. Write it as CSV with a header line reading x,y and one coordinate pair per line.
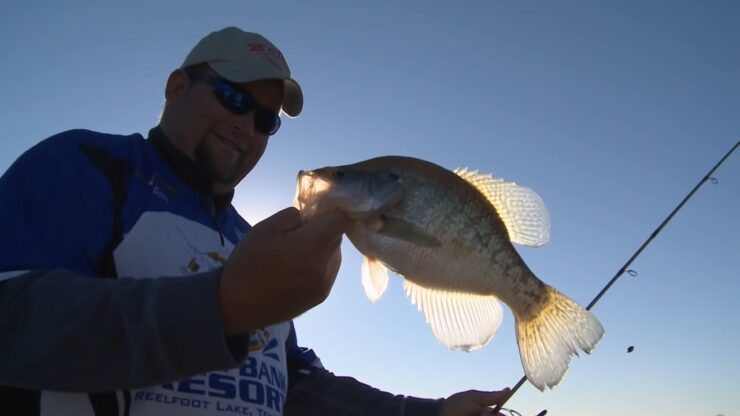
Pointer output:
x,y
225,179
228,179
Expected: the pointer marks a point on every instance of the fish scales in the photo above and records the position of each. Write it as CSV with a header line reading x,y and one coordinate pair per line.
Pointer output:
x,y
468,226
437,210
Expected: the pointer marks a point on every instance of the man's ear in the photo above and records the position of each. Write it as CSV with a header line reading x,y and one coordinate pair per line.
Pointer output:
x,y
177,83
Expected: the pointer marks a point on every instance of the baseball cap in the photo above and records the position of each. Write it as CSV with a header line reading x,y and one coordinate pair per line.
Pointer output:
x,y
240,56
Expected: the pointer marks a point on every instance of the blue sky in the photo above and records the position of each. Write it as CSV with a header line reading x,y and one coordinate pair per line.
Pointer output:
x,y
611,111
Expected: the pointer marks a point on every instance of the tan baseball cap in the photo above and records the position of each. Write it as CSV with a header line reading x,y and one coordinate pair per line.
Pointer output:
x,y
241,56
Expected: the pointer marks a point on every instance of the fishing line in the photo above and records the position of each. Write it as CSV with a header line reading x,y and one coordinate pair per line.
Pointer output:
x,y
623,269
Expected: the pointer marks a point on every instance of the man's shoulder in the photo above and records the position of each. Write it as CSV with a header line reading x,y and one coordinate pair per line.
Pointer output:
x,y
73,147
73,140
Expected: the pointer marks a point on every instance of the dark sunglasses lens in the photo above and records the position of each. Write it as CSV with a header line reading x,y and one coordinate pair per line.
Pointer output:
x,y
238,102
266,121
241,102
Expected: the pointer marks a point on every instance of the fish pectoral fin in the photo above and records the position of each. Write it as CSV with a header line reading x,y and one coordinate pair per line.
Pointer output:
x,y
374,278
406,231
460,321
522,211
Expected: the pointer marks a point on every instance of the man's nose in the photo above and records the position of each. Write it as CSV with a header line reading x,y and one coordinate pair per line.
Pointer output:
x,y
244,123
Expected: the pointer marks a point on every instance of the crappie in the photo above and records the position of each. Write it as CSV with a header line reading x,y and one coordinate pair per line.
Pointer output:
x,y
450,235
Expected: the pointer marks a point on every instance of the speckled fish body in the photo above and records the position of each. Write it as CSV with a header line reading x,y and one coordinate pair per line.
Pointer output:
x,y
449,234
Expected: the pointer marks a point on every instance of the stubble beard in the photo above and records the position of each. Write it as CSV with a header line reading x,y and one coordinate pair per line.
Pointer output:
x,y
208,164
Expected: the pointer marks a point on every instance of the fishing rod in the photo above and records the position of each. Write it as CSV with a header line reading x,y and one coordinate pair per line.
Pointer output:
x,y
625,268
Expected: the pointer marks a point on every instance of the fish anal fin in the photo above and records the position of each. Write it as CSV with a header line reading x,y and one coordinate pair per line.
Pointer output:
x,y
522,211
374,278
403,230
460,321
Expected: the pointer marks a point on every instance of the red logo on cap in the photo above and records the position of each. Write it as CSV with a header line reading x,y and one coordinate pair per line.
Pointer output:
x,y
269,53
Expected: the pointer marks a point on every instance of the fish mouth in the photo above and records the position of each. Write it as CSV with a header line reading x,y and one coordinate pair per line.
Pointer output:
x,y
309,189
310,184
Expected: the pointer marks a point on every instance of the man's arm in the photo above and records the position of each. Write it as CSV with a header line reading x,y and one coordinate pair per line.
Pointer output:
x,y
67,332
319,392
315,391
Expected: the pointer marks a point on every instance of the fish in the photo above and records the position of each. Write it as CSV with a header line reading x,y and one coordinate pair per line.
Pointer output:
x,y
449,234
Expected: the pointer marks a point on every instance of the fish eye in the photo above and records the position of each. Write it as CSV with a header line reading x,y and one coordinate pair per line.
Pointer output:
x,y
339,174
393,176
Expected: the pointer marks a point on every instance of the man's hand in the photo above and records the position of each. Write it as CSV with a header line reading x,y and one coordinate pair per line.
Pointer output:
x,y
280,269
473,402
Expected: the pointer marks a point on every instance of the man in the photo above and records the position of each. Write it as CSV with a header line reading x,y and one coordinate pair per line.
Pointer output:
x,y
129,285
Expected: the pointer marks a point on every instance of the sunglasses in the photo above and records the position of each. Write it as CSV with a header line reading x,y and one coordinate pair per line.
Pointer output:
x,y
240,102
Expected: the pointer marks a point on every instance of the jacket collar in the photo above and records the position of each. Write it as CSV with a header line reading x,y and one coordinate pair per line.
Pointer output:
x,y
186,169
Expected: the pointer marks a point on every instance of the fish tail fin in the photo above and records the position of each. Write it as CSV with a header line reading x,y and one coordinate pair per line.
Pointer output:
x,y
552,335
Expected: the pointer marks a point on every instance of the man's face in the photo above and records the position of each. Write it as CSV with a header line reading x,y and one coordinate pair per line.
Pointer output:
x,y
226,145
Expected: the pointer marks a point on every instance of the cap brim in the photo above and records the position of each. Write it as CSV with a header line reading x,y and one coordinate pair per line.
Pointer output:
x,y
292,98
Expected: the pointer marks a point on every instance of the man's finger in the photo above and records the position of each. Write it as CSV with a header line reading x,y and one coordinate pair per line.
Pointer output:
x,y
324,230
491,398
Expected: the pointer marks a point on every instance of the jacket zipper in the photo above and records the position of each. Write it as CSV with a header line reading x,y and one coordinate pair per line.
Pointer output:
x,y
214,218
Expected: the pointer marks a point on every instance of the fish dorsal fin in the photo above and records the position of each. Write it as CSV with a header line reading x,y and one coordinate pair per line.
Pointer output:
x,y
374,278
520,208
460,321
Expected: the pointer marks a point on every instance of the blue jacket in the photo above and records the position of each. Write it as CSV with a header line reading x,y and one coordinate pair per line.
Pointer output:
x,y
110,256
